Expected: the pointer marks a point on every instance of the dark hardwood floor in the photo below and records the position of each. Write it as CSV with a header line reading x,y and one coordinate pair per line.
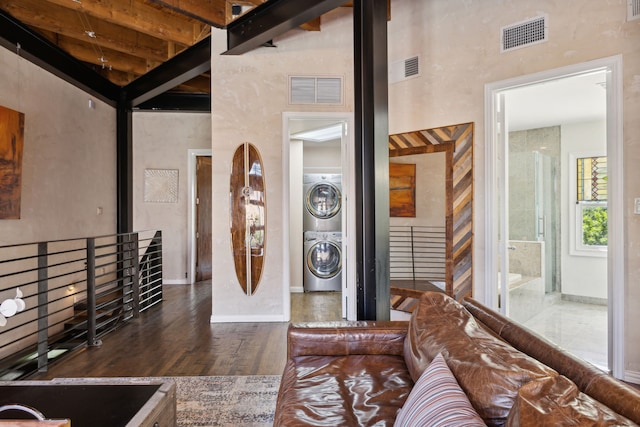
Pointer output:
x,y
176,339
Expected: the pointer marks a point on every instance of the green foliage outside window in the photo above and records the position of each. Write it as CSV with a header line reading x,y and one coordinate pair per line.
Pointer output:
x,y
594,226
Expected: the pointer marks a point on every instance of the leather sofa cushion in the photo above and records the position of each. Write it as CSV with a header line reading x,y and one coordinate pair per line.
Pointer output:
x,y
356,390
346,338
558,402
489,370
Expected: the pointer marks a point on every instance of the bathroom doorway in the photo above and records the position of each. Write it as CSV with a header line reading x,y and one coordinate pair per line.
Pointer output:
x,y
551,136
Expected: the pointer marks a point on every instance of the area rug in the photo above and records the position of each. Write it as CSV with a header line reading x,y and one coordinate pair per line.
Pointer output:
x,y
238,401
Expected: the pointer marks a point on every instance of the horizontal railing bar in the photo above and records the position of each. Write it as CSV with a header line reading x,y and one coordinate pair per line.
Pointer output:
x,y
128,272
78,239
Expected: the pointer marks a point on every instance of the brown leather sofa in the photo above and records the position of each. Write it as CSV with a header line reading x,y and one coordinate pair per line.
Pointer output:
x,y
361,373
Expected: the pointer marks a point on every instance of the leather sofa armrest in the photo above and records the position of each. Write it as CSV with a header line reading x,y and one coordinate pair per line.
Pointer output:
x,y
346,338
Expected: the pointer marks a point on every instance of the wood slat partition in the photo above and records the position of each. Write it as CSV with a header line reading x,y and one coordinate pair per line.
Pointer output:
x,y
457,142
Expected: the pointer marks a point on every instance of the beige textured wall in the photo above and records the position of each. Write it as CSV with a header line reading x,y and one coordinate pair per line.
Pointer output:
x,y
459,44
249,94
162,141
69,159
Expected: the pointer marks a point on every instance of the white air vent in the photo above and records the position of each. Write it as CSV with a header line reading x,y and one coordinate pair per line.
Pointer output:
x,y
525,33
315,90
633,10
404,69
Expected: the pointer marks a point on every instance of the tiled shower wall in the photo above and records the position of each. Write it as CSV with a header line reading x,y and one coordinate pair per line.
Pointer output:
x,y
522,193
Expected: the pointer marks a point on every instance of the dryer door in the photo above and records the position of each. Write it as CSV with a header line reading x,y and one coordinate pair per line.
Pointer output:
x,y
323,200
324,259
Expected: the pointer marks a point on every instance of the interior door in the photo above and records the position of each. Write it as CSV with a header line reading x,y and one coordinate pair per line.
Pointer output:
x,y
203,218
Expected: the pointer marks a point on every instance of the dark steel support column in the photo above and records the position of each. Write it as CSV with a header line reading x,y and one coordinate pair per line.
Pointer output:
x,y
371,158
124,168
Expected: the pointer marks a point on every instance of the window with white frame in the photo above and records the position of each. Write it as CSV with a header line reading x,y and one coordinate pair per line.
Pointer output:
x,y
591,204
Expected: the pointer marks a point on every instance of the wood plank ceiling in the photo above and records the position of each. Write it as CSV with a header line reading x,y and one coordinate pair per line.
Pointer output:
x,y
124,39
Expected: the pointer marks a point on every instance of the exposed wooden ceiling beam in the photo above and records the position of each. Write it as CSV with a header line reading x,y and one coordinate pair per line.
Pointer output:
x,y
211,12
43,53
111,59
313,25
199,84
189,64
67,22
137,16
118,77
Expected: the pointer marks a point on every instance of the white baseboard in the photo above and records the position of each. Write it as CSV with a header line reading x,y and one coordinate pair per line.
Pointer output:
x,y
176,282
632,376
248,319
296,289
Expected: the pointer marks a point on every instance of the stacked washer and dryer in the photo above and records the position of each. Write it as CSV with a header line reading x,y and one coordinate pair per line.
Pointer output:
x,y
322,221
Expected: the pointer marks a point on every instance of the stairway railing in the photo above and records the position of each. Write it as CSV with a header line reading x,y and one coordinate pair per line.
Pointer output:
x,y
75,291
417,253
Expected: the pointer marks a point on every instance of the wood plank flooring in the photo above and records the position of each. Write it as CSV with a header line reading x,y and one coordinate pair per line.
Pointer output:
x,y
176,338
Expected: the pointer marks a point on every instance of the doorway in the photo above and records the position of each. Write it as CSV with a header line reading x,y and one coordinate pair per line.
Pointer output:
x,y
324,156
203,218
542,130
199,215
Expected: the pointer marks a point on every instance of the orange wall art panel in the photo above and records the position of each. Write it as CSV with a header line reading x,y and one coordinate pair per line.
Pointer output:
x,y
11,143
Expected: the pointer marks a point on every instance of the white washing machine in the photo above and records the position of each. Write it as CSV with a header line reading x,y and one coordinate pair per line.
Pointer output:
x,y
322,202
322,261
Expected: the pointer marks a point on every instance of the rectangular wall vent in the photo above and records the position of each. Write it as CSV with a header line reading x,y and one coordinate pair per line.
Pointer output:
x,y
404,69
633,10
525,33
315,90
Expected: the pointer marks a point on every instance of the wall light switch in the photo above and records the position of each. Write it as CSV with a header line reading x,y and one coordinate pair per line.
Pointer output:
x,y
636,206
99,211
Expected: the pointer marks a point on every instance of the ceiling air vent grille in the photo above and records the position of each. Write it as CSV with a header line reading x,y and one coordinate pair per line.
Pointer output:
x,y
404,69
315,90
633,10
526,33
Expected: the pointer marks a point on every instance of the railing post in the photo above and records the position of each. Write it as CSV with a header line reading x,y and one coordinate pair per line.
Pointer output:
x,y
413,257
91,293
43,307
135,276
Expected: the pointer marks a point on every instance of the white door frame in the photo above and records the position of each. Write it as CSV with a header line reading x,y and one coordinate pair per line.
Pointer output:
x,y
191,209
348,216
616,260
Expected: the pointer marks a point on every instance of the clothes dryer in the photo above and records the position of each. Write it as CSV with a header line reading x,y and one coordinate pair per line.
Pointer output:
x,y
322,261
322,202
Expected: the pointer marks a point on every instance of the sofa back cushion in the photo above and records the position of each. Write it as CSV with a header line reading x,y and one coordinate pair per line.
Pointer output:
x,y
558,402
489,370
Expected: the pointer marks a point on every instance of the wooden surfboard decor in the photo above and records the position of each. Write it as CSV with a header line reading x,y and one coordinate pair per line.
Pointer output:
x,y
248,216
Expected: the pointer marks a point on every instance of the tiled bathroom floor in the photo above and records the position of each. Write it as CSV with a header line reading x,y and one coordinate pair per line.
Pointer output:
x,y
578,328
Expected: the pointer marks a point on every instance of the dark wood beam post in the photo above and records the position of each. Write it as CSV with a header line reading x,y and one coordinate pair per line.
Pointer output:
x,y
371,158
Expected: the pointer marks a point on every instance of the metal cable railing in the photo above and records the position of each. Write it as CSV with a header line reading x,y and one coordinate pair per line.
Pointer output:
x,y
74,292
417,253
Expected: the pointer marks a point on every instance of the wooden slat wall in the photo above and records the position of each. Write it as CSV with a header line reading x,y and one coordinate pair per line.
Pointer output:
x,y
457,142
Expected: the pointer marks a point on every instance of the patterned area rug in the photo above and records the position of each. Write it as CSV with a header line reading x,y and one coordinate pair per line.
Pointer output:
x,y
236,401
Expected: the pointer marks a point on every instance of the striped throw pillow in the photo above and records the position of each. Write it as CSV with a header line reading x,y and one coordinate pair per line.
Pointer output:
x,y
437,400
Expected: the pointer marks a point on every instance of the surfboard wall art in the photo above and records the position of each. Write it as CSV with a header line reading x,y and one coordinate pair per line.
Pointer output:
x,y
248,216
